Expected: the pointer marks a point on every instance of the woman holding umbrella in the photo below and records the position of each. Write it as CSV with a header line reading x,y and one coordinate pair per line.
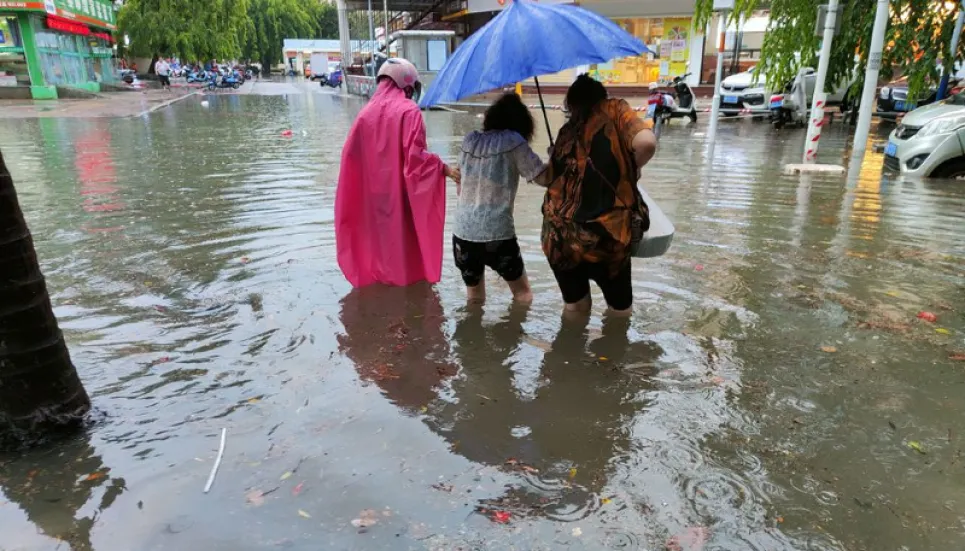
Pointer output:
x,y
592,212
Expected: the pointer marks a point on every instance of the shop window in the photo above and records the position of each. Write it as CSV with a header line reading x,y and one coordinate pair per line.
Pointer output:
x,y
668,37
9,33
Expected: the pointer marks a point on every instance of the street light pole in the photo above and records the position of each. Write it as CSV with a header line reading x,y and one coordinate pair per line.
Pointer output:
x,y
715,108
344,43
956,35
372,37
820,97
385,25
871,78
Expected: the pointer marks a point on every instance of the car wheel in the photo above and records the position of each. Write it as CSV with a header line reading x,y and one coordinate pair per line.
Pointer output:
x,y
951,170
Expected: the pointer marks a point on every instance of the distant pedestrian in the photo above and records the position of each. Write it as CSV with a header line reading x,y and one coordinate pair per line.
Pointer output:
x,y
163,70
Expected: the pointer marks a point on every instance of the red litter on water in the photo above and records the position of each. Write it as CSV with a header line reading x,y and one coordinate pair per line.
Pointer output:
x,y
287,133
699,268
927,316
501,517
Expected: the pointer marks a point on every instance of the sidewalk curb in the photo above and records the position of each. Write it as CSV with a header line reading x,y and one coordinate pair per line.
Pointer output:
x,y
164,104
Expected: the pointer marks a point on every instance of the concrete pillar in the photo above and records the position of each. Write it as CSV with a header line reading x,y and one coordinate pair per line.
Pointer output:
x,y
39,89
343,34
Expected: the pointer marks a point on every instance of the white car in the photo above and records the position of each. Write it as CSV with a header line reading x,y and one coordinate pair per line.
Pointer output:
x,y
745,91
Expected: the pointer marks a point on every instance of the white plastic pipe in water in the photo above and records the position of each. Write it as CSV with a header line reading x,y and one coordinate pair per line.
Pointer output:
x,y
820,96
715,108
871,79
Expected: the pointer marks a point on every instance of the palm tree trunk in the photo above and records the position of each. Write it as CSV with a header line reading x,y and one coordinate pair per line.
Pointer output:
x,y
40,391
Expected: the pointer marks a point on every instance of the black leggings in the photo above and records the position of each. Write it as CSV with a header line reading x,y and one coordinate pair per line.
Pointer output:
x,y
575,284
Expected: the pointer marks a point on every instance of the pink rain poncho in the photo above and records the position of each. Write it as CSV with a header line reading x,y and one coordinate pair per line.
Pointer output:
x,y
390,206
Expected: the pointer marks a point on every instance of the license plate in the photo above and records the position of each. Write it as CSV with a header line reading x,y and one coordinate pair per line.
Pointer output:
x,y
731,99
891,149
777,104
651,110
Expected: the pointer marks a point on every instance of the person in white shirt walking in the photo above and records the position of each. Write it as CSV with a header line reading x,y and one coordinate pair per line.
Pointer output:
x,y
163,70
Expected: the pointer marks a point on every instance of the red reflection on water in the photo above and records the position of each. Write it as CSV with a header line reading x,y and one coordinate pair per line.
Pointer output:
x,y
95,170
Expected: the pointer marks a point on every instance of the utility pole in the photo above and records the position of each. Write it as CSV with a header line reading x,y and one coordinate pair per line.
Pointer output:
x,y
372,37
871,78
724,7
820,96
956,35
385,25
344,41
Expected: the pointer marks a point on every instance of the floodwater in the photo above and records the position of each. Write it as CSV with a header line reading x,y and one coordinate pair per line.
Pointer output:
x,y
773,391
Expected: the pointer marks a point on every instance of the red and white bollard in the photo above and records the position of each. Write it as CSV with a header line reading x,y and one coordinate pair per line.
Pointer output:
x,y
814,129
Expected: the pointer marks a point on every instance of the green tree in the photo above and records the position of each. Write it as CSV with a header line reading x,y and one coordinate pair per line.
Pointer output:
x,y
326,21
190,30
918,39
272,21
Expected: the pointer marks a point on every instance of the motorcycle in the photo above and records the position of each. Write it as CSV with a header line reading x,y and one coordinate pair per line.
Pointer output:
x,y
226,81
199,76
684,104
334,79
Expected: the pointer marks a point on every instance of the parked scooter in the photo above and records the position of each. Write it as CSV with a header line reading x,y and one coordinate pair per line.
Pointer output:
x,y
333,79
199,76
226,81
683,104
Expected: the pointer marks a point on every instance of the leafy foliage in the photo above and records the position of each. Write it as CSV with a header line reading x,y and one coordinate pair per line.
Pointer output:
x,y
918,41
272,21
223,29
185,28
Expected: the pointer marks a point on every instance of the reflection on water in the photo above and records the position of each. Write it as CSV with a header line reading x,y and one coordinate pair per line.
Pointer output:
x,y
765,395
64,492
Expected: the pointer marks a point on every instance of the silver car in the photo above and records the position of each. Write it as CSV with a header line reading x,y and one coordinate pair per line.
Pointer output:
x,y
929,141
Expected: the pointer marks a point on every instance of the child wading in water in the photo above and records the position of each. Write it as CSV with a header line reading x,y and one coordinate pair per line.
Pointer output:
x,y
491,163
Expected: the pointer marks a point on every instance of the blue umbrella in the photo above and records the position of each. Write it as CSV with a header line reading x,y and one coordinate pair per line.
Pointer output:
x,y
527,40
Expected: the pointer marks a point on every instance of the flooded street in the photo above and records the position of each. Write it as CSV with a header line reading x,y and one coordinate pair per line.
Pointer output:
x,y
774,389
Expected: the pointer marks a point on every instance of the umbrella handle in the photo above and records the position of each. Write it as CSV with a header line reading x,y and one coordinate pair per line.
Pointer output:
x,y
546,119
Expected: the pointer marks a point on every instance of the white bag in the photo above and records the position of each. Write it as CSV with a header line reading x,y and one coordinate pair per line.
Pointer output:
x,y
656,241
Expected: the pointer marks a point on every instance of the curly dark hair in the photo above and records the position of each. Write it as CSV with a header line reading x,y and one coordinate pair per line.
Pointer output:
x,y
584,94
509,113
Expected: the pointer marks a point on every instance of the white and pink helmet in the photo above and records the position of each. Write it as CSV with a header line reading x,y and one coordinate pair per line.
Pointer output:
x,y
403,73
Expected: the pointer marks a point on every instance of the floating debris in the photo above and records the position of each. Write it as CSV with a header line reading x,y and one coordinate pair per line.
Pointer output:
x,y
217,461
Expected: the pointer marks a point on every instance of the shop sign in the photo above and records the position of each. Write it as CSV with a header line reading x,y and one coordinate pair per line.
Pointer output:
x,y
62,25
99,13
18,5
92,12
479,6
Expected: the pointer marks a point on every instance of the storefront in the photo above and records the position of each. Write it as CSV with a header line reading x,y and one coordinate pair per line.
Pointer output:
x,y
670,38
56,43
665,26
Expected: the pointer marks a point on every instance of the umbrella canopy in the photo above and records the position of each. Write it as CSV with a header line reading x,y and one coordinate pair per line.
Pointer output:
x,y
527,40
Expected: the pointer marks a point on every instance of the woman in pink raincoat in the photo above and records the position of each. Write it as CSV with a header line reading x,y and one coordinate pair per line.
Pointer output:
x,y
390,205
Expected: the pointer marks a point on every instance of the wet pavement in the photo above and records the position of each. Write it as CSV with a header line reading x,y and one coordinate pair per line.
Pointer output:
x,y
774,389
130,103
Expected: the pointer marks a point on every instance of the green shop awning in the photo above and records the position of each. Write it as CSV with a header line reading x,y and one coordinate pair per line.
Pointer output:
x,y
95,13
